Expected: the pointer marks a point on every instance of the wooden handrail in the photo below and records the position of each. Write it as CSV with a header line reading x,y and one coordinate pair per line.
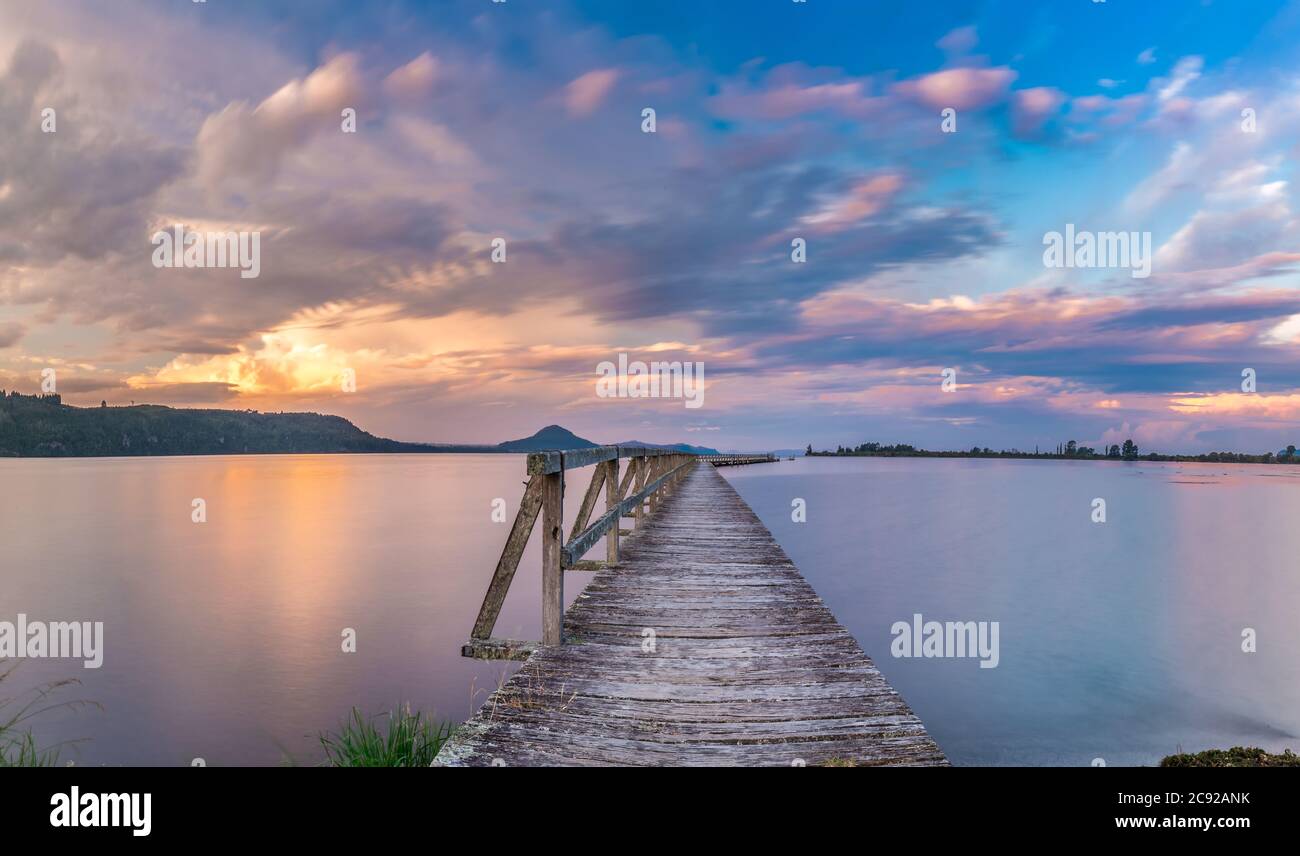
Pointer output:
x,y
546,463
735,460
650,475
580,544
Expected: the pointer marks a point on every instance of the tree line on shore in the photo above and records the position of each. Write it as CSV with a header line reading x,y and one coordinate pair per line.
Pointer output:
x,y
43,426
1070,450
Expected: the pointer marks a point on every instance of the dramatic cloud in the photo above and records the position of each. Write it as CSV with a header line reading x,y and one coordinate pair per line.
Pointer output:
x,y
248,143
68,186
922,242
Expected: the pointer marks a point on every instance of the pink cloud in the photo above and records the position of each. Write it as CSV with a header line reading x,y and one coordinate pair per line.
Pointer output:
x,y
1102,111
1091,103
1032,108
1019,323
251,142
413,80
864,199
958,41
585,94
795,90
790,99
959,88
1126,110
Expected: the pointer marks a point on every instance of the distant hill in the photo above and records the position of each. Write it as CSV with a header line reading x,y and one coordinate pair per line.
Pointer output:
x,y
676,447
557,437
550,437
42,426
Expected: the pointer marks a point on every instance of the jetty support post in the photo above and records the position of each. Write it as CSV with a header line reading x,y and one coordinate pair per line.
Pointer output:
x,y
612,499
552,565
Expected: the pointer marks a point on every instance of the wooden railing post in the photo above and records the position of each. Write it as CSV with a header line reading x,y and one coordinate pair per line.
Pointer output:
x,y
611,499
552,566
653,499
641,463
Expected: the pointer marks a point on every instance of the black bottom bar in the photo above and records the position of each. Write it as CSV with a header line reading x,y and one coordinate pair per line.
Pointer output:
x,y
308,806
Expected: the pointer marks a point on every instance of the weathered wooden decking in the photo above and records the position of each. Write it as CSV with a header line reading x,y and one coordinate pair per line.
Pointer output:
x,y
746,665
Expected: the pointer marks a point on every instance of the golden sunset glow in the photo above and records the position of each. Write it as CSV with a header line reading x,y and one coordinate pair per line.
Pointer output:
x,y
1240,404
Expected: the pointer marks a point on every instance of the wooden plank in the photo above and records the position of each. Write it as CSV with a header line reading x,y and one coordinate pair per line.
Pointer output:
x,y
552,566
748,667
525,517
578,458
546,463
498,649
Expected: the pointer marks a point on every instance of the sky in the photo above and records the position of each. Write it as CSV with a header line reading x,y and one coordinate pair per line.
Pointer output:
x,y
921,158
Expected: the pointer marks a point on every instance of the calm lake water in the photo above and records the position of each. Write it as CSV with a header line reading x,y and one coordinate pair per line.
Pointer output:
x,y
1119,640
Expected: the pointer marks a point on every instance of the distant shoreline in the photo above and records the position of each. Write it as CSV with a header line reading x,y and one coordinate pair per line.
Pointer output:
x,y
11,456
42,426
1150,457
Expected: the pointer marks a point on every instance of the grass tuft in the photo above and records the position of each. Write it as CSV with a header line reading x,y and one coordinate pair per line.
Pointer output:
x,y
18,748
1237,756
409,740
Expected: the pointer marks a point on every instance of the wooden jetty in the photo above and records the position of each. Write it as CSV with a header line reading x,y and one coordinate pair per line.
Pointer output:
x,y
696,643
